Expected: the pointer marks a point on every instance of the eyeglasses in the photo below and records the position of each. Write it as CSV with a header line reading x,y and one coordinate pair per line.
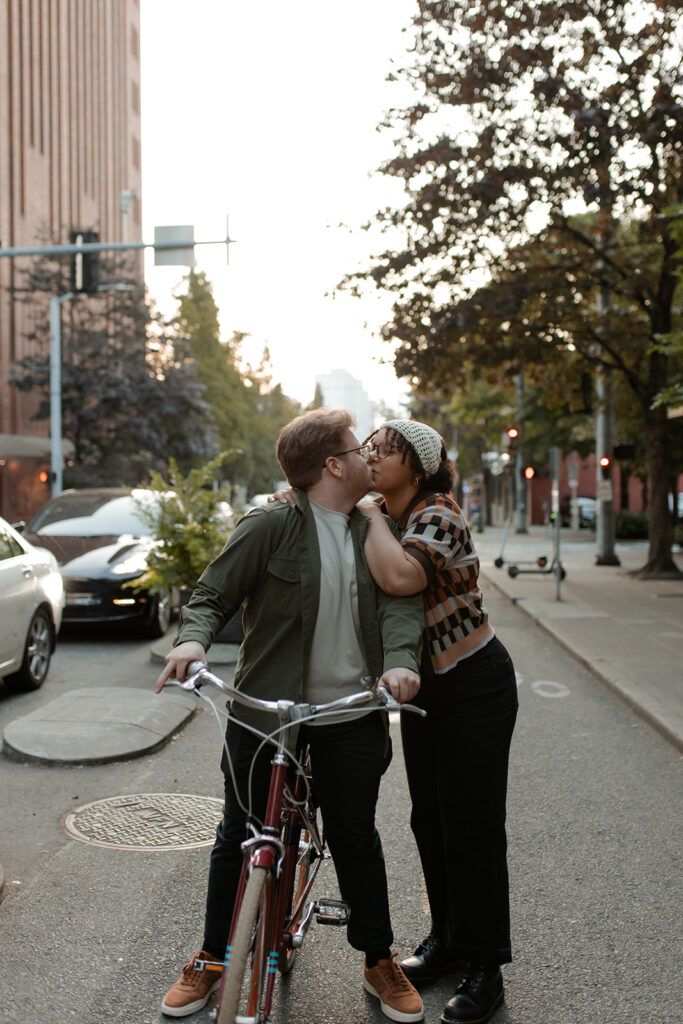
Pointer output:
x,y
383,450
364,450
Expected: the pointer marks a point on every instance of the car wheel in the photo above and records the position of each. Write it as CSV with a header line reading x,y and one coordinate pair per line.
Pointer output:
x,y
37,652
160,618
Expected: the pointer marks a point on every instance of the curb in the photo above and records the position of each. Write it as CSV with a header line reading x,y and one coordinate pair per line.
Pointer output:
x,y
95,726
219,654
632,702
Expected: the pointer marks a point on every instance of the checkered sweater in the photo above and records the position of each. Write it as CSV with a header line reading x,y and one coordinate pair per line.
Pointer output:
x,y
436,534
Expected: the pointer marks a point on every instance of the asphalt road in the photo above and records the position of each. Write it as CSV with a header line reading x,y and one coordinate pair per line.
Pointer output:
x,y
96,935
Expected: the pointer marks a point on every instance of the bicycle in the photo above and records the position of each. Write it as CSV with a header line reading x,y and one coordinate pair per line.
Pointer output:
x,y
272,910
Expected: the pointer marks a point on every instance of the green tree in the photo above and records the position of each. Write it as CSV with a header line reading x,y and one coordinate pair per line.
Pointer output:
x,y
126,383
318,401
525,113
247,410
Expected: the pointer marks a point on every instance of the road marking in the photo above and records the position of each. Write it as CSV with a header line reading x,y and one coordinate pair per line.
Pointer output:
x,y
548,688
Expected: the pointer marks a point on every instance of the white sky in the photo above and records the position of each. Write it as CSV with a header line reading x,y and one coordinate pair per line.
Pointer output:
x,y
267,112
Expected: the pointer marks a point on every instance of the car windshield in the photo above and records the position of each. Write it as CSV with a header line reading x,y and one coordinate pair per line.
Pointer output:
x,y
92,515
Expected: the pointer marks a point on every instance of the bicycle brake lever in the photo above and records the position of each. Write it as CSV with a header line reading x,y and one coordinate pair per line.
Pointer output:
x,y
386,697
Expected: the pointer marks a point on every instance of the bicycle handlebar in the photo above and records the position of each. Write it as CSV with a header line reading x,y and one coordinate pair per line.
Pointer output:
x,y
289,710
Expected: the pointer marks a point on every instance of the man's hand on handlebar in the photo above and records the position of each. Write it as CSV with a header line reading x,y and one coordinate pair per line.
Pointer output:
x,y
402,682
177,661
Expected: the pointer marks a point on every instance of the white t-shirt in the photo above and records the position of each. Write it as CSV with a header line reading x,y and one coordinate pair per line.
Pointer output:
x,y
337,657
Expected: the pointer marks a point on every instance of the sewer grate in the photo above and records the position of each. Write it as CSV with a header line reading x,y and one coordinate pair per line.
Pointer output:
x,y
147,821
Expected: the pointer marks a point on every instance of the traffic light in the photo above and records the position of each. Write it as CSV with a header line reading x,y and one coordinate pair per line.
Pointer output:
x,y
84,265
529,472
605,466
46,476
511,438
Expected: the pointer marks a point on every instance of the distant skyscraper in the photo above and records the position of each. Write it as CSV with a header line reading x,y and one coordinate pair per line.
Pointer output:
x,y
341,390
69,147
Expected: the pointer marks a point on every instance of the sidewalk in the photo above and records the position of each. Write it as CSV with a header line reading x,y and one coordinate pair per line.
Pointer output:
x,y
628,632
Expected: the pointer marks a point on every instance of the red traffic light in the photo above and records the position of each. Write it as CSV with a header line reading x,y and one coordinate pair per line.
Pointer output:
x,y
512,433
605,461
529,472
44,476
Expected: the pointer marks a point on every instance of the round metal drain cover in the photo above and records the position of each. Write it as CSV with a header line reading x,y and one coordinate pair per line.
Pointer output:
x,y
147,821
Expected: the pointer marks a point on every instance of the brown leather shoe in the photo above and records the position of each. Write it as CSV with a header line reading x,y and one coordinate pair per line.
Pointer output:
x,y
192,990
397,997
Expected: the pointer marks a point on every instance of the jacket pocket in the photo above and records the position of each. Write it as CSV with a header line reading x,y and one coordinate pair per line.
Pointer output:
x,y
283,585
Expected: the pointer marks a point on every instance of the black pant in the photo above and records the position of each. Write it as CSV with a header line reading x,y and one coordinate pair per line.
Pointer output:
x,y
457,763
347,762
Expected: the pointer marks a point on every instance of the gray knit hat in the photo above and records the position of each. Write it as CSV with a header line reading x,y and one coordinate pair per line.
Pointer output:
x,y
425,440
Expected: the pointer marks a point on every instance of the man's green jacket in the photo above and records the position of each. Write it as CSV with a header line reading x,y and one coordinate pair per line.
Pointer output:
x,y
271,565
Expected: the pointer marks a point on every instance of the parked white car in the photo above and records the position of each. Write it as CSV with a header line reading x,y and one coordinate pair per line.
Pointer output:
x,y
31,605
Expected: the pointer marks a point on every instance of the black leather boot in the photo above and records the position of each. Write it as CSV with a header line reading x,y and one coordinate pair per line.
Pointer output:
x,y
476,997
430,960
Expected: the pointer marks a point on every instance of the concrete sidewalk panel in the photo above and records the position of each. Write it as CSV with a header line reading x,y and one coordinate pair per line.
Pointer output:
x,y
97,725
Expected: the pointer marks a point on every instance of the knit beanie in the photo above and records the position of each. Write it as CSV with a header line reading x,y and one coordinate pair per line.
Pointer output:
x,y
425,440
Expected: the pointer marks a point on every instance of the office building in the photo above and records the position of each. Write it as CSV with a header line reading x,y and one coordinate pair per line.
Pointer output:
x,y
69,161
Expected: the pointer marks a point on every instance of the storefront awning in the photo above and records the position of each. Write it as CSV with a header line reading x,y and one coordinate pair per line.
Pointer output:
x,y
28,446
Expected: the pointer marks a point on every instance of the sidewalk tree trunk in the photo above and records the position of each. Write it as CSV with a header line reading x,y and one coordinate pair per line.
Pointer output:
x,y
543,141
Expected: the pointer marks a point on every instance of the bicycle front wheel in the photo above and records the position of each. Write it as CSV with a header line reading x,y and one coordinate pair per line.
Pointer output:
x,y
241,998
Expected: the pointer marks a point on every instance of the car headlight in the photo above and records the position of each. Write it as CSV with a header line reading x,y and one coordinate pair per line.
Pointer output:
x,y
134,565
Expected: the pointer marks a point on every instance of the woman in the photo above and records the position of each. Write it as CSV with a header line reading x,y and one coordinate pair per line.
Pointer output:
x,y
457,757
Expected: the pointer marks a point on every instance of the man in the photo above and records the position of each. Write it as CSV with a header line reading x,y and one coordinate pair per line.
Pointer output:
x,y
314,623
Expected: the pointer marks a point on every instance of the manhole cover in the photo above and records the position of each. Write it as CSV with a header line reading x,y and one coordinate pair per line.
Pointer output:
x,y
147,821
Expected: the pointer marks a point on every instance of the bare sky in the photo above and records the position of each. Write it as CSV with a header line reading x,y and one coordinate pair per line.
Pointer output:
x,y
267,112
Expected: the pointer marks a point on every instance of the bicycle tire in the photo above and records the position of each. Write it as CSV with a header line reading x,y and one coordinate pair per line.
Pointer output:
x,y
244,982
287,957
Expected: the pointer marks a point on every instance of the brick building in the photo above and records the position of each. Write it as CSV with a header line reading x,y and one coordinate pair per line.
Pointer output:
x,y
69,147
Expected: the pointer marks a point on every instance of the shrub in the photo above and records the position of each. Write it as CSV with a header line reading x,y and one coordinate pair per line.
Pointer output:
x,y
188,525
631,525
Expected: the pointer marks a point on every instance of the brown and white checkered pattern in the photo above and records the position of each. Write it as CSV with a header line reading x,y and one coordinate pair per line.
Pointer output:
x,y
438,537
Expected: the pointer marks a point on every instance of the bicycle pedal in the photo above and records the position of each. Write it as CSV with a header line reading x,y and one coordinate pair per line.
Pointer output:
x,y
332,912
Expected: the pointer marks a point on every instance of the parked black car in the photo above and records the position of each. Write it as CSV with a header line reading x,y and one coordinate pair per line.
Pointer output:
x,y
102,543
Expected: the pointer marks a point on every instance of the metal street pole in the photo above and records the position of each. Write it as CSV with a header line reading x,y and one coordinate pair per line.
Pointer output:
x,y
520,483
604,444
556,518
172,246
56,454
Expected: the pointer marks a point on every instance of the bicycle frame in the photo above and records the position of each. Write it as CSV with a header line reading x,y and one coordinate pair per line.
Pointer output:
x,y
269,918
285,812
